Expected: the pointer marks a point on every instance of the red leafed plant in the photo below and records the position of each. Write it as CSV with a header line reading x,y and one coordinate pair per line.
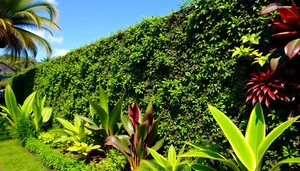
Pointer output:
x,y
142,133
287,26
264,87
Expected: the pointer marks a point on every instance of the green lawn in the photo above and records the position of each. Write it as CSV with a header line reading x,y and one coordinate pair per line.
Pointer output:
x,y
13,157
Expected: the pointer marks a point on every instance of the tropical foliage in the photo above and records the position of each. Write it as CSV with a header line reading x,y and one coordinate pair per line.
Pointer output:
x,y
77,136
31,109
287,26
142,133
249,150
103,122
172,163
16,17
175,62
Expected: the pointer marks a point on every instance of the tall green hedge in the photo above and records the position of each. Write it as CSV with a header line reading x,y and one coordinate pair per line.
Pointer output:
x,y
182,62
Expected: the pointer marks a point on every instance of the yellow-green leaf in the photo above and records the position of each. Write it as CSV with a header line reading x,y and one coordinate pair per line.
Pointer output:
x,y
272,136
46,114
172,156
103,99
286,161
236,139
159,158
67,124
11,104
208,154
256,128
27,105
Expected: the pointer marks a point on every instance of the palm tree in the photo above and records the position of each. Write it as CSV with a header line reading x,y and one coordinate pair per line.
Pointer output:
x,y
17,17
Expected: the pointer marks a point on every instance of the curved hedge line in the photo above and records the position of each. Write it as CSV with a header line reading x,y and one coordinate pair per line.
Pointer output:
x,y
182,62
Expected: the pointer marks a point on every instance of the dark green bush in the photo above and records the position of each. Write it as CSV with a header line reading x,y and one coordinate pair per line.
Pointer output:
x,y
182,61
23,130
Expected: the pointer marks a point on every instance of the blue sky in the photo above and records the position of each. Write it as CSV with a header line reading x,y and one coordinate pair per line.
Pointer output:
x,y
83,22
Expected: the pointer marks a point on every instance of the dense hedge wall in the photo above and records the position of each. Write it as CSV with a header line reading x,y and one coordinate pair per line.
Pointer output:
x,y
182,62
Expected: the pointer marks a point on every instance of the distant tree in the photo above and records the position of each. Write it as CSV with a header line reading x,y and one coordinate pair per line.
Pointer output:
x,y
46,59
20,64
16,16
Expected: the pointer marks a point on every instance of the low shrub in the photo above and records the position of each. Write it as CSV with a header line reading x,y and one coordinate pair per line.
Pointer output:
x,y
114,161
23,130
50,136
46,138
53,159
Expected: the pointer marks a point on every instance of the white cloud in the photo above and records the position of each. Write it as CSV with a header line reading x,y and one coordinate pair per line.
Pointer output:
x,y
53,39
60,52
44,34
54,2
41,33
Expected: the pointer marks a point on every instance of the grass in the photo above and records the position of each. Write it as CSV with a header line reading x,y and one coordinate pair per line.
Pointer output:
x,y
14,157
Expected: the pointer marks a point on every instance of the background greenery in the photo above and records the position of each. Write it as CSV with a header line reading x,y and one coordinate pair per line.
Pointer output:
x,y
182,62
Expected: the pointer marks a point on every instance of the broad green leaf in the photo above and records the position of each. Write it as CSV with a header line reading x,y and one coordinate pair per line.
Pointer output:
x,y
159,158
117,143
200,167
27,105
172,156
142,131
64,138
43,103
286,161
149,106
5,109
46,114
74,148
92,111
208,154
103,99
154,130
95,147
182,149
37,116
68,132
256,128
125,140
67,124
11,104
127,124
9,120
197,146
94,128
240,164
236,139
180,152
77,123
115,117
149,164
272,136
104,118
93,124
158,144
86,120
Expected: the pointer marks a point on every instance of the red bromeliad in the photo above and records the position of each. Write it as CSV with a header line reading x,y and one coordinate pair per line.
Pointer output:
x,y
287,26
263,86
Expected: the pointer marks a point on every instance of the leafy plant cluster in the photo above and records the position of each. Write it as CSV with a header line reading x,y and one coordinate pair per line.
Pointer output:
x,y
54,159
181,62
